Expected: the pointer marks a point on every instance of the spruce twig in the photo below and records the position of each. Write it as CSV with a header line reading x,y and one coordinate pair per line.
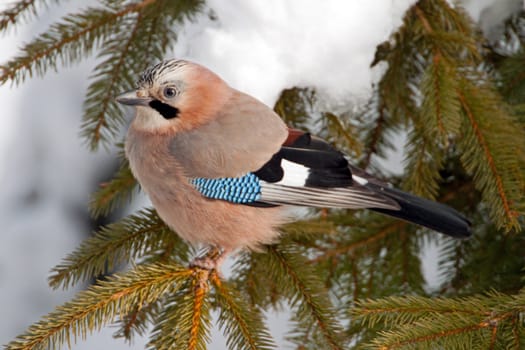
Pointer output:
x,y
117,243
68,41
100,304
114,193
243,325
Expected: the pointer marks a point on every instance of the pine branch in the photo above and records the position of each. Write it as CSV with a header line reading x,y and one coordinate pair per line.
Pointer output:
x,y
424,161
295,106
407,309
439,121
360,242
440,105
114,193
118,243
429,333
252,279
68,41
377,135
200,322
488,153
114,76
100,304
185,321
242,325
512,79
447,31
343,132
470,267
432,35
138,320
21,11
314,310
429,322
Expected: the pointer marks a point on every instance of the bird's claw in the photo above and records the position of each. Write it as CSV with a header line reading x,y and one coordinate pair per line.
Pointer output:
x,y
204,262
212,260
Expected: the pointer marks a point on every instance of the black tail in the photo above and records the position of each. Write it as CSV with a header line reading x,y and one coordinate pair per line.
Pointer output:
x,y
436,216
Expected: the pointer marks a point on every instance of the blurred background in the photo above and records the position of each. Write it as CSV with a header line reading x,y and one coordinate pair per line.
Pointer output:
x,y
260,47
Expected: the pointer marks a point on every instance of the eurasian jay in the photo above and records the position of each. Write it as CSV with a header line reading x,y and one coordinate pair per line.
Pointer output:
x,y
220,167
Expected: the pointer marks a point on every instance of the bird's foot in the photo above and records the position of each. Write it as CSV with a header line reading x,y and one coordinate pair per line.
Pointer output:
x,y
212,260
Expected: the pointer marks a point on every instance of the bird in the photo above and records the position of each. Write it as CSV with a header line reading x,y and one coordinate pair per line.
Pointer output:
x,y
222,168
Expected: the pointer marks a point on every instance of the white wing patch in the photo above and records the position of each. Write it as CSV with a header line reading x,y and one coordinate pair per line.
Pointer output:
x,y
294,174
360,180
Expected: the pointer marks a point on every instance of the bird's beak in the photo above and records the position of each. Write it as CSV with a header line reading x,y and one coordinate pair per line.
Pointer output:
x,y
130,98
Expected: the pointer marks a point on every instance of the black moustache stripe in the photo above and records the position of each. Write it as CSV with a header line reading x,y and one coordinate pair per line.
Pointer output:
x,y
165,110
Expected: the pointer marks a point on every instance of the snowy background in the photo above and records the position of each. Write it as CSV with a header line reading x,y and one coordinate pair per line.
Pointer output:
x,y
257,46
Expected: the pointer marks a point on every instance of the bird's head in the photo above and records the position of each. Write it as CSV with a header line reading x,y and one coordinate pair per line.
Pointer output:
x,y
176,95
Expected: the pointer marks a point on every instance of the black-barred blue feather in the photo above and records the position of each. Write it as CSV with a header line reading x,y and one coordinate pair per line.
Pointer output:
x,y
244,189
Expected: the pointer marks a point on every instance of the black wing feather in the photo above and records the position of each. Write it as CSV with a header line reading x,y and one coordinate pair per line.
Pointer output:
x,y
327,166
329,183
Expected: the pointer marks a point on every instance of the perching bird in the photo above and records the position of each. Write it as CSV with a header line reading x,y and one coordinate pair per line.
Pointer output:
x,y
221,167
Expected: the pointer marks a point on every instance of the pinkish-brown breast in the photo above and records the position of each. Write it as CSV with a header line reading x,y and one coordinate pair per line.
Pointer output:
x,y
196,219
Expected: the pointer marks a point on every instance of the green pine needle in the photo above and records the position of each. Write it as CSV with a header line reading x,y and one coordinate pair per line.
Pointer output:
x,y
242,324
118,243
185,320
308,298
66,42
101,304
488,153
115,193
424,323
21,12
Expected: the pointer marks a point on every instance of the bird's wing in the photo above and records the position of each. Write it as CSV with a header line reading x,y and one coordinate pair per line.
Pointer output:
x,y
304,171
308,171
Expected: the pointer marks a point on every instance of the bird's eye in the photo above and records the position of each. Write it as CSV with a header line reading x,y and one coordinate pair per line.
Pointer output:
x,y
169,92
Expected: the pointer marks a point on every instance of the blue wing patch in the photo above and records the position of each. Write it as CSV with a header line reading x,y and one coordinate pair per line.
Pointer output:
x,y
245,189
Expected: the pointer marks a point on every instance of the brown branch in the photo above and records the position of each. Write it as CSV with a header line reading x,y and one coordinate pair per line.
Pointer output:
x,y
356,245
200,290
421,15
488,323
417,310
494,336
11,14
437,335
437,59
488,155
131,320
214,277
300,285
